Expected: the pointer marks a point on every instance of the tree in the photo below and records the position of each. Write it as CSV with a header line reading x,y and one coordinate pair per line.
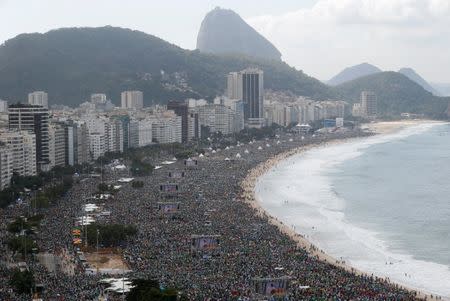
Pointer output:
x,y
23,282
110,235
149,290
22,244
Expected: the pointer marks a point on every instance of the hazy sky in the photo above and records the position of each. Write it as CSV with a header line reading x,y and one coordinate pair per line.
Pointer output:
x,y
320,37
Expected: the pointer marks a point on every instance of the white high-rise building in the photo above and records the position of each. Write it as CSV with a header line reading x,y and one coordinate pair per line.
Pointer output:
x,y
6,170
97,145
22,148
38,98
132,100
166,127
145,132
98,98
3,106
57,144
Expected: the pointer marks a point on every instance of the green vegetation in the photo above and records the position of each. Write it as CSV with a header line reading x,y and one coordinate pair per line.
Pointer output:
x,y
396,94
26,224
22,244
110,235
149,290
129,60
22,282
63,175
137,184
141,168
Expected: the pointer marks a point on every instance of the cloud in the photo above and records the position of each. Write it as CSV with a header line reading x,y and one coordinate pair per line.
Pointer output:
x,y
335,33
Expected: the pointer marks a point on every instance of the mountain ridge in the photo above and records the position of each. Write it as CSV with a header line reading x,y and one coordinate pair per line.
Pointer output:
x,y
72,63
353,72
224,32
396,94
414,76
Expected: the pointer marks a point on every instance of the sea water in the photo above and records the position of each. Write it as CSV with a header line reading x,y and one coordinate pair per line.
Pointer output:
x,y
381,203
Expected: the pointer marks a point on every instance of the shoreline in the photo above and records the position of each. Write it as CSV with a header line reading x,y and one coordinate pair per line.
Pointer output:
x,y
249,196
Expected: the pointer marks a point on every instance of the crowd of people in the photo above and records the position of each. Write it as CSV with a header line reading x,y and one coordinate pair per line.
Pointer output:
x,y
211,202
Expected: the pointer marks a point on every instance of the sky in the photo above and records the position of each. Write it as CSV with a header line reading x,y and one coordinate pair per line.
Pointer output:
x,y
320,37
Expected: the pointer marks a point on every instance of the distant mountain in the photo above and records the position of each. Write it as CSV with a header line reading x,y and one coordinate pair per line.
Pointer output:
x,y
72,63
396,93
352,73
224,32
412,75
442,88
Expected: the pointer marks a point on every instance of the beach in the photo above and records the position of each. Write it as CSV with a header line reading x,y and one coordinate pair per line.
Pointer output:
x,y
250,182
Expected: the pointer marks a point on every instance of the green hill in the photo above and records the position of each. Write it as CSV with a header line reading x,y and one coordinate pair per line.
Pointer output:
x,y
396,94
72,63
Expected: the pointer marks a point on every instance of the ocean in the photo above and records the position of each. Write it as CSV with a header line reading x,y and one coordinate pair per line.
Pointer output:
x,y
381,203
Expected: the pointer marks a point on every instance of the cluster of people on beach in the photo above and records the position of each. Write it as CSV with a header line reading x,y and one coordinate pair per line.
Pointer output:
x,y
251,244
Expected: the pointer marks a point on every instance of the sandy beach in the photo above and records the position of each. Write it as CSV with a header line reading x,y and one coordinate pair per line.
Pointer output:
x,y
249,196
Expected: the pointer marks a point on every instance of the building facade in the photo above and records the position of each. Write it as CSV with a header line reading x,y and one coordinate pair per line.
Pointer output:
x,y
38,98
33,119
132,100
22,149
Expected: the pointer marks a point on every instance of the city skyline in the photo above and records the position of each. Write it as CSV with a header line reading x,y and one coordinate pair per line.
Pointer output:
x,y
377,32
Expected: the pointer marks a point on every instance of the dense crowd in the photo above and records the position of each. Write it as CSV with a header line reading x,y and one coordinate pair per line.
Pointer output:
x,y
249,247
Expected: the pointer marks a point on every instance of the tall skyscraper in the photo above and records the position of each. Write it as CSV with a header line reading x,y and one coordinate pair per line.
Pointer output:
x,y
182,110
132,100
33,119
369,104
38,98
248,86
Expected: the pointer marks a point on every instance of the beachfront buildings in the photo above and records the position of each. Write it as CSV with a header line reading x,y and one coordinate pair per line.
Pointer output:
x,y
285,109
38,98
21,147
34,119
5,165
132,100
248,86
367,107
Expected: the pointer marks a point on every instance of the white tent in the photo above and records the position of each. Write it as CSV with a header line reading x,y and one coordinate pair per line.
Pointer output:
x,y
267,145
290,140
238,155
227,159
246,151
201,156
259,148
